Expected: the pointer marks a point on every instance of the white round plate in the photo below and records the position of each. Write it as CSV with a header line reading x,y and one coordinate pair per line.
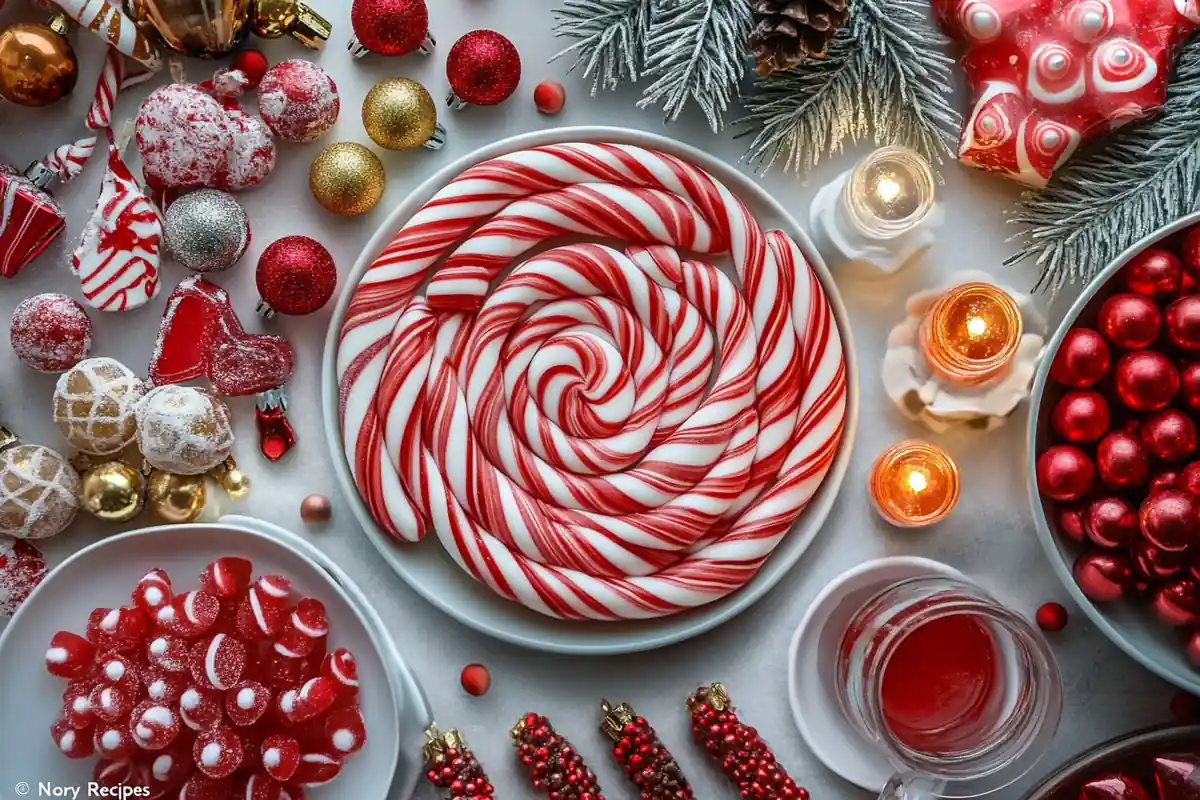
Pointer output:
x,y
105,573
428,569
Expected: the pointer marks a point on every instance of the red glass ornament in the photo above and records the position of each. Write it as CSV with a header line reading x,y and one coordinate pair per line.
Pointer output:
x,y
1189,479
1163,479
484,68
1187,284
1064,472
1178,603
1169,434
30,219
1182,320
1130,321
1177,776
252,64
1080,416
1113,786
390,27
554,765
296,275
645,759
1146,380
1153,563
276,436
475,679
1154,272
1082,359
1189,387
1189,250
1070,521
549,97
1111,522
1051,617
1103,575
1170,519
1122,461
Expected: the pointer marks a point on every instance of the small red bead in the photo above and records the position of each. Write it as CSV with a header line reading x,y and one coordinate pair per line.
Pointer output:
x,y
475,679
1052,617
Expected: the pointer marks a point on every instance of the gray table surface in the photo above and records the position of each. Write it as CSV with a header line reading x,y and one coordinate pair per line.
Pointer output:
x,y
990,537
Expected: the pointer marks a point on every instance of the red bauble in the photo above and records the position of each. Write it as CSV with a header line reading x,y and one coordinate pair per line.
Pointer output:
x,y
1122,461
1163,479
1146,380
1170,519
484,68
1178,603
1070,521
1183,322
298,100
1187,284
390,27
1169,434
1111,522
253,65
296,275
1064,472
1189,479
1051,617
50,332
1155,273
1189,386
549,97
475,679
1082,359
1189,250
1153,563
1080,416
1130,321
1102,575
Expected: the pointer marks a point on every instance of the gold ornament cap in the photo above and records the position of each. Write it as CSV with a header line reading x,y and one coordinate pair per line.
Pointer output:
x,y
274,18
715,695
615,719
60,23
437,743
347,179
7,438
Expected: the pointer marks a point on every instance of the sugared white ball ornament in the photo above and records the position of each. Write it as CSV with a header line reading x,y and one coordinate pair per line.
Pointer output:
x,y
182,430
39,492
93,405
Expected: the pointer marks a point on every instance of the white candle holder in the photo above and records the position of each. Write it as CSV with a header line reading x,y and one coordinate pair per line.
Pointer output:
x,y
881,213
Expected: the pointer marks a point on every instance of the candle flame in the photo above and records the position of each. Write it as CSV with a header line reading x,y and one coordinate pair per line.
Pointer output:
x,y
918,481
888,189
976,326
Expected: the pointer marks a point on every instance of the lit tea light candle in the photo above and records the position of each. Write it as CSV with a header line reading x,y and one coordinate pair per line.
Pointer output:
x,y
914,484
972,333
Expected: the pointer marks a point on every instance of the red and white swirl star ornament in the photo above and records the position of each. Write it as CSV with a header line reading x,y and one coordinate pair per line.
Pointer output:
x,y
1050,75
607,434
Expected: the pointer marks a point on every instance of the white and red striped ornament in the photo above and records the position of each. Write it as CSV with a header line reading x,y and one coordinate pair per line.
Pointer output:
x,y
559,435
115,77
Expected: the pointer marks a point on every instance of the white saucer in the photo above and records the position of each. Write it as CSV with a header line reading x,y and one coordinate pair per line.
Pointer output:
x,y
812,668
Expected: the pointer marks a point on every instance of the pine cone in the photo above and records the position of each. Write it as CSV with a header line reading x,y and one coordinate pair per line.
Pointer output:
x,y
789,32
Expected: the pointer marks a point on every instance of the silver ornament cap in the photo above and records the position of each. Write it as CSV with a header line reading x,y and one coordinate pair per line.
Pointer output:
x,y
206,231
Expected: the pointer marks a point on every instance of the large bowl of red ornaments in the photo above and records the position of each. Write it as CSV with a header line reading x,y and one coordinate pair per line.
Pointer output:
x,y
207,662
1113,452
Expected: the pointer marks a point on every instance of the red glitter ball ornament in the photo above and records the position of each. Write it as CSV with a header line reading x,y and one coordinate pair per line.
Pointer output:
x,y
22,568
296,275
253,65
50,332
389,27
1169,434
1178,603
1051,617
1183,322
1082,359
1064,472
1190,250
1155,273
1146,380
1189,479
1111,522
1080,416
483,68
1169,519
549,97
298,100
1122,461
475,679
1189,386
1152,563
1103,576
1130,321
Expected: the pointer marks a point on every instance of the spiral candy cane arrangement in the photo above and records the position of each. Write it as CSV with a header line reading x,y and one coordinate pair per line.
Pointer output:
x,y
607,434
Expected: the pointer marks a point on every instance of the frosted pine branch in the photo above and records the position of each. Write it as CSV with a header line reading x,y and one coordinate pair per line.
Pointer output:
x,y
611,38
886,75
1118,191
696,50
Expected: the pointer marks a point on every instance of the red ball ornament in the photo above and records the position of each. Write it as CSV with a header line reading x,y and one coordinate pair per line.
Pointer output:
x,y
1178,603
1070,521
1153,563
1183,322
253,65
1189,479
1169,434
1111,522
1051,617
1163,479
1169,519
1122,461
1082,359
390,27
296,275
1080,416
50,332
475,679
1146,380
1130,321
1189,250
549,97
1155,273
1103,576
1187,284
1189,386
298,100
1064,472
484,68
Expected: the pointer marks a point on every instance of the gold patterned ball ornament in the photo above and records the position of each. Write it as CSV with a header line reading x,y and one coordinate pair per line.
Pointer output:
x,y
183,430
93,405
112,491
400,114
176,498
347,178
39,491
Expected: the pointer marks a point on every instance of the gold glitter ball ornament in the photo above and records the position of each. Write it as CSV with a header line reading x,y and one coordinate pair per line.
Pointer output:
x,y
176,498
39,492
113,491
347,178
400,114
183,430
93,405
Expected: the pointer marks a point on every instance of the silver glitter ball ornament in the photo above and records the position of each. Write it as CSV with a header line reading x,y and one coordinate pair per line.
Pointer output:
x,y
206,231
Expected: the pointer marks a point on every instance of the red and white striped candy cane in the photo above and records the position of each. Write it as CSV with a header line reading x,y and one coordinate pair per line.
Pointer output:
x,y
606,434
115,76
68,160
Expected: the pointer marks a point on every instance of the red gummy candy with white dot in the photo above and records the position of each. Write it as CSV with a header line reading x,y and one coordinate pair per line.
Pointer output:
x,y
71,742
217,662
192,614
153,725
341,667
298,100
246,703
172,766
317,769
118,670
227,577
345,731
164,686
113,740
50,332
218,752
201,787
110,703
257,787
200,709
280,756
304,628
121,629
69,655
153,592
77,709
112,773
263,612
168,652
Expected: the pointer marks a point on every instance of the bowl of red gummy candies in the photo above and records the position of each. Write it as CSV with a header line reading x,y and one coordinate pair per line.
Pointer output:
x,y
1113,455
205,663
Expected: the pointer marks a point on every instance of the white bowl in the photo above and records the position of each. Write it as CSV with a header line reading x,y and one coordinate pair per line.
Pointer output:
x,y
104,574
429,570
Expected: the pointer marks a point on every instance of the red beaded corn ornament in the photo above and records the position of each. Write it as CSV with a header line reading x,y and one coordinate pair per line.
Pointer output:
x,y
741,753
645,759
453,768
554,767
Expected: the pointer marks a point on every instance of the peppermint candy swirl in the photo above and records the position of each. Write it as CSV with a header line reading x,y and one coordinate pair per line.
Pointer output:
x,y
1122,65
610,433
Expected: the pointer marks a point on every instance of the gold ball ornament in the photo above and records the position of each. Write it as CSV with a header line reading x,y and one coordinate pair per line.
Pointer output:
x,y
93,405
316,509
113,491
235,482
183,430
347,178
37,65
399,114
39,492
176,498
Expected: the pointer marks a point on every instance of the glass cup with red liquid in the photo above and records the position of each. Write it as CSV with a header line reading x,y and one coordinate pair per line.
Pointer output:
x,y
962,694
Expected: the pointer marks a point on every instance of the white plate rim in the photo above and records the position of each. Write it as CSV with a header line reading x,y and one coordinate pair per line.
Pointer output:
x,y
708,617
